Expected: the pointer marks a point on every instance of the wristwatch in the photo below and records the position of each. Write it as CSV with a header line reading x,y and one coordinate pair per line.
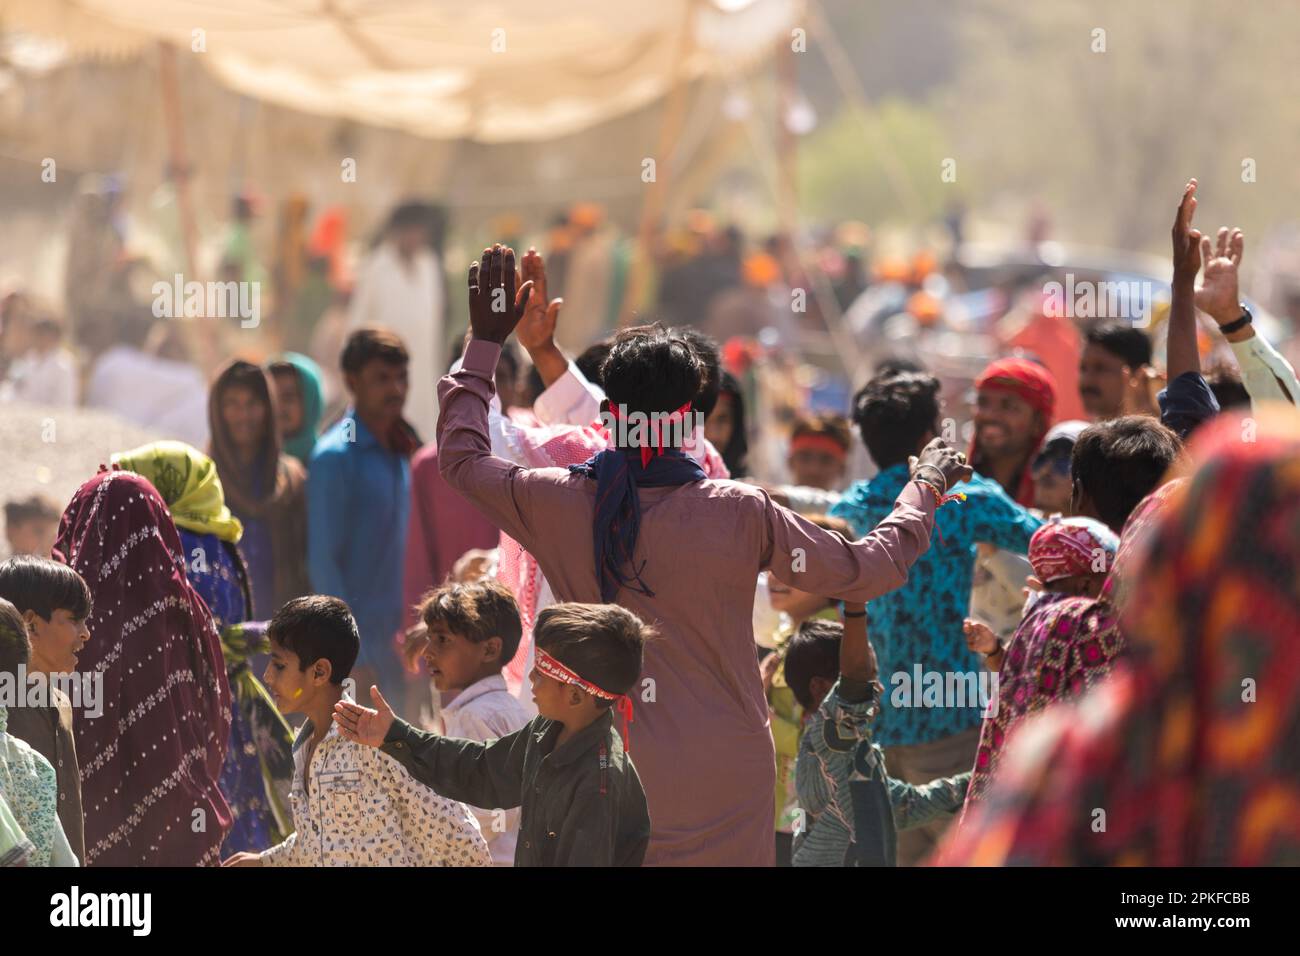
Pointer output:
x,y
1236,325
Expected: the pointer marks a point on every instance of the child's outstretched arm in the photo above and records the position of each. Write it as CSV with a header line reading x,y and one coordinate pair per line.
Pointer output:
x,y
436,831
915,806
482,775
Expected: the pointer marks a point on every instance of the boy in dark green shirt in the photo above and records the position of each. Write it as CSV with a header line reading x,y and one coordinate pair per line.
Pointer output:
x,y
568,770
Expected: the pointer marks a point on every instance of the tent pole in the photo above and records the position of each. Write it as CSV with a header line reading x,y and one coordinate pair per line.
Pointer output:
x,y
201,340
670,125
178,163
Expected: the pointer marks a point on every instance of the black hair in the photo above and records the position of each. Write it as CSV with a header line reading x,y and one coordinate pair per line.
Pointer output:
x,y
895,365
1119,462
831,424
707,349
476,612
651,369
1123,342
318,626
1060,447
281,367
366,345
242,374
603,644
894,412
592,358
813,651
37,507
735,455
44,586
15,648
1225,382
410,214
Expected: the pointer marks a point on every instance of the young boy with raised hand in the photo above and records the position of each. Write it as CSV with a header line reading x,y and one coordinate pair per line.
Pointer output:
x,y
853,808
568,770
472,631
54,603
352,805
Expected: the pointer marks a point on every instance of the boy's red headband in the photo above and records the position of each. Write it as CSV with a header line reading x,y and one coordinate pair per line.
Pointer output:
x,y
552,668
817,442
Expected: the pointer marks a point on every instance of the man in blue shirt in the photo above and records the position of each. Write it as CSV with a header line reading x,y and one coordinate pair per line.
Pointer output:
x,y
358,497
917,629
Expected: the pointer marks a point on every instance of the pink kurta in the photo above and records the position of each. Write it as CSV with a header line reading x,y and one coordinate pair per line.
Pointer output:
x,y
700,740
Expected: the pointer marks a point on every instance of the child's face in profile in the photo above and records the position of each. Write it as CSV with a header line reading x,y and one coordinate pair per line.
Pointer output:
x,y
552,697
454,661
56,642
292,688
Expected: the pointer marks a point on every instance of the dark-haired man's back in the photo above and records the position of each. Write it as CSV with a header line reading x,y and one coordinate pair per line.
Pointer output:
x,y
700,739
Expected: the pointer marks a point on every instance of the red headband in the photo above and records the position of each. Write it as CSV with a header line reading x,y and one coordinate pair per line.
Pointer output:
x,y
552,668
655,446
1024,378
817,442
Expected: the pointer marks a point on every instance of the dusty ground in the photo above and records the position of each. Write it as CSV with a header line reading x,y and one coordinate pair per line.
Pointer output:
x,y
54,450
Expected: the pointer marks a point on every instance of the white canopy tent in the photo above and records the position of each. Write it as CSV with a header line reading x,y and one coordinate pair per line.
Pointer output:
x,y
487,71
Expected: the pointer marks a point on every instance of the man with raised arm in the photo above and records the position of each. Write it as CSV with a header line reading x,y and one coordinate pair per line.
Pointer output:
x,y
640,525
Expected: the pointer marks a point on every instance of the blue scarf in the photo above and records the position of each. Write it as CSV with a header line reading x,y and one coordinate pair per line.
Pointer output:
x,y
618,473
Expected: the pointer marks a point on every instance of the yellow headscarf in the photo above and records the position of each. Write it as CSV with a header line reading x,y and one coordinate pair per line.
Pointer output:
x,y
187,481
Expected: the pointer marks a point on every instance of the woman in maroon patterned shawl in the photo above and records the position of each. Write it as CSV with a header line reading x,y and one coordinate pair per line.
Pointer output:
x,y
150,762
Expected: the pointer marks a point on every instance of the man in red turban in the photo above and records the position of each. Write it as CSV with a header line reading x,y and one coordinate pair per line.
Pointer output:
x,y
1015,405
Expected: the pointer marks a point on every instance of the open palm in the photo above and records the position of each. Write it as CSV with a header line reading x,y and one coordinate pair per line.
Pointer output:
x,y
362,724
1217,295
537,327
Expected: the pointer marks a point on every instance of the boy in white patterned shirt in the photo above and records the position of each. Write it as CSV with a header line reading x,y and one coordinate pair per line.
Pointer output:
x,y
473,630
352,805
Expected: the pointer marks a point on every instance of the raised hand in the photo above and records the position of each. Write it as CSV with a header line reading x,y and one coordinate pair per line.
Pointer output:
x,y
1187,241
1217,295
536,330
979,636
362,724
495,307
950,463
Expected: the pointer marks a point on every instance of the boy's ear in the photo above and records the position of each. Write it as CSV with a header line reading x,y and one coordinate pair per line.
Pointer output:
x,y
30,618
492,649
575,695
321,671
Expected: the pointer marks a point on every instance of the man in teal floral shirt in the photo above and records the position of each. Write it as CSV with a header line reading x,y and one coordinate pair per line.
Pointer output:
x,y
920,624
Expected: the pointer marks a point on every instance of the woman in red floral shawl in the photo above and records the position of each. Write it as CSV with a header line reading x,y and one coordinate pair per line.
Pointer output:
x,y
151,760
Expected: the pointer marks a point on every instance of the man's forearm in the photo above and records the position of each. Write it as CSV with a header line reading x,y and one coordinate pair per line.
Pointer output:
x,y
1182,355
549,362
